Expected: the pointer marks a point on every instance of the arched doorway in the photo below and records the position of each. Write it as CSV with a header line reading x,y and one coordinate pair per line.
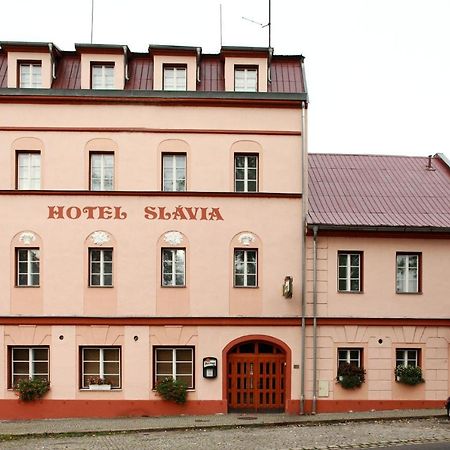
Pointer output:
x,y
256,377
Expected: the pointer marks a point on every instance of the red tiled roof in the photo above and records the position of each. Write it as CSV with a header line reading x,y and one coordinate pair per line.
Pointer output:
x,y
286,73
68,72
378,191
286,76
3,66
140,73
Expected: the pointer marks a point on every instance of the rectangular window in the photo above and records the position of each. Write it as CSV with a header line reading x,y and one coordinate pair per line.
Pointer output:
x,y
174,172
100,267
408,272
407,357
27,263
100,362
28,362
173,266
174,362
245,268
30,75
246,173
352,356
102,76
28,170
246,79
102,171
175,78
349,271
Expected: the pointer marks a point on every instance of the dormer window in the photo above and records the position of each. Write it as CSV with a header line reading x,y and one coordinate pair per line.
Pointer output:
x,y
30,74
246,79
175,78
102,76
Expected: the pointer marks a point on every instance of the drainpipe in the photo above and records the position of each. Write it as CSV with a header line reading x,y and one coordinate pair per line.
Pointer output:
x,y
125,57
304,162
52,60
314,396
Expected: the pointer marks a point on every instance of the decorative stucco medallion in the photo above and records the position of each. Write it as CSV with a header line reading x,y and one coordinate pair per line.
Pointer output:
x,y
246,239
27,237
173,238
100,237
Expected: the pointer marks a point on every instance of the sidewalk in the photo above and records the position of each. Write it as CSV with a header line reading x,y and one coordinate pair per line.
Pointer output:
x,y
48,427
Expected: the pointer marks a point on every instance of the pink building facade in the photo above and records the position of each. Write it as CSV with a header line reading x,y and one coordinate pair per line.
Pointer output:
x,y
153,211
156,225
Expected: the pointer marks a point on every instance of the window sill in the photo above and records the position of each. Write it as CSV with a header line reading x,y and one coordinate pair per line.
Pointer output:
x,y
350,292
101,287
246,287
409,293
173,287
100,390
27,287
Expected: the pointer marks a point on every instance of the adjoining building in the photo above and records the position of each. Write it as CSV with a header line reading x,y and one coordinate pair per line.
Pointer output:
x,y
378,261
152,227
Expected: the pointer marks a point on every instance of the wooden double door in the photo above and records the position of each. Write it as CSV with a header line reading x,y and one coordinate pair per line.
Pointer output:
x,y
256,378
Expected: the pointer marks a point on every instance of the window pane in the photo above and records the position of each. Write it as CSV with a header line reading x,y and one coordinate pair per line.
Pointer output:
x,y
91,354
184,354
164,355
111,354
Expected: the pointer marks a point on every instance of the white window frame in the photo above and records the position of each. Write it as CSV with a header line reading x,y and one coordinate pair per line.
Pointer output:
x,y
102,263
402,357
174,362
101,361
29,273
402,284
176,268
104,79
103,182
348,271
247,169
35,77
349,358
170,180
249,83
175,78
28,170
31,360
247,276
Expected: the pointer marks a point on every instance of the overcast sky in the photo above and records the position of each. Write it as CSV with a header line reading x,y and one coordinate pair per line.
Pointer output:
x,y
378,71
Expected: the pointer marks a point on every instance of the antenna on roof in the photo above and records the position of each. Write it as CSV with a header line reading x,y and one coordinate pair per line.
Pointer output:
x,y
220,15
92,19
268,24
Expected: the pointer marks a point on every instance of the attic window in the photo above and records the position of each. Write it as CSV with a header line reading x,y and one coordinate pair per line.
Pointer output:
x,y
102,76
246,79
30,74
175,78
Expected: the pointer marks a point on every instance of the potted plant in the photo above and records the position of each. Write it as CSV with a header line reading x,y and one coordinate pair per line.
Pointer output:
x,y
350,376
99,384
411,375
172,390
29,389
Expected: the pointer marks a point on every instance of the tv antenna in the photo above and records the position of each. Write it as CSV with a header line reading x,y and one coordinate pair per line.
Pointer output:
x,y
92,19
268,24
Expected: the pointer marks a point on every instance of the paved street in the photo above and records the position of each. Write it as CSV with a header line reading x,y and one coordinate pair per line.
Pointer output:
x,y
377,434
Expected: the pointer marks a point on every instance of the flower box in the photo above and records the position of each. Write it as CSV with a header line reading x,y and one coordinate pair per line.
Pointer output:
x,y
99,387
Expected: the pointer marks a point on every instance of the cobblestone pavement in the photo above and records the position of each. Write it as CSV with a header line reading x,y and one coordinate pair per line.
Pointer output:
x,y
376,434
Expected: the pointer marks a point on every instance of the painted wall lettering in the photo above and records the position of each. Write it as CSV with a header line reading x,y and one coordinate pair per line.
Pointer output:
x,y
182,213
150,213
86,212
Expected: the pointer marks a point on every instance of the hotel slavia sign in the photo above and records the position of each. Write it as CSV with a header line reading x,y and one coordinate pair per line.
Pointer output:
x,y
149,213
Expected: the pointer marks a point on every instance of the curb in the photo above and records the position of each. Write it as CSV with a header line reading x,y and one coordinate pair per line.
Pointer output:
x,y
56,434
